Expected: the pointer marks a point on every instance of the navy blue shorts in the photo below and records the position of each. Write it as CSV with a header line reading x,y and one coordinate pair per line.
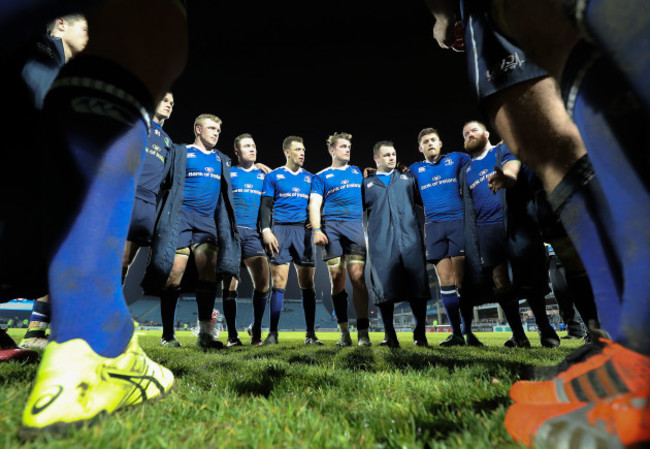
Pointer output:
x,y
295,244
196,229
251,243
444,239
143,220
345,238
493,62
492,244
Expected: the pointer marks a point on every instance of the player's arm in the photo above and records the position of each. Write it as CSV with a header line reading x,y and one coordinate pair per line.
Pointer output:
x,y
447,31
264,219
315,204
504,177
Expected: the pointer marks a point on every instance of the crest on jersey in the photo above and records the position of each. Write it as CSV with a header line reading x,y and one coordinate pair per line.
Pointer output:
x,y
448,161
260,176
218,158
307,179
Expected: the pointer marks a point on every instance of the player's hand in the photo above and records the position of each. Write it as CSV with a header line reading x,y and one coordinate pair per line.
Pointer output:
x,y
320,239
368,171
402,168
449,34
265,168
500,180
270,243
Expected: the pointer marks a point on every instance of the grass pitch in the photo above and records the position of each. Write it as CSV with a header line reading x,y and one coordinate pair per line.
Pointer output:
x,y
297,396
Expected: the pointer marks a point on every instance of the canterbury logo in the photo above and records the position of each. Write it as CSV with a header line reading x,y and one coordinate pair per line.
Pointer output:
x,y
46,399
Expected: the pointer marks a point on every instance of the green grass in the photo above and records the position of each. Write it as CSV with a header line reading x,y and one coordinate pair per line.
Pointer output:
x,y
294,396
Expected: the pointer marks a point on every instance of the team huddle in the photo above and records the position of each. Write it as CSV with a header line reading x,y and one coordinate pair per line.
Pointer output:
x,y
191,201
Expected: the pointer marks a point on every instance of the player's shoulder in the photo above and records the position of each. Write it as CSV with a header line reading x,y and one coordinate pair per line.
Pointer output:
x,y
324,171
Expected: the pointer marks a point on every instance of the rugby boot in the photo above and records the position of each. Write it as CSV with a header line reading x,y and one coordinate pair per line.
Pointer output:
x,y
34,339
549,338
453,340
622,421
345,340
514,342
389,342
363,338
601,374
312,339
207,341
74,385
472,340
421,343
170,342
234,341
9,350
271,339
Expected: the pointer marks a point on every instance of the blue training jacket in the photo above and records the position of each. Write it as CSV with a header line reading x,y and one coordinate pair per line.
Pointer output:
x,y
396,257
166,231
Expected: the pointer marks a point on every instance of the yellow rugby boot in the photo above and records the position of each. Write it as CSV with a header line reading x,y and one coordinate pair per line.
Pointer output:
x,y
74,385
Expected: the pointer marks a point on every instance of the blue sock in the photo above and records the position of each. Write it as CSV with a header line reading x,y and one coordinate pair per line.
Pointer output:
x,y
41,312
609,118
452,306
99,139
259,305
277,298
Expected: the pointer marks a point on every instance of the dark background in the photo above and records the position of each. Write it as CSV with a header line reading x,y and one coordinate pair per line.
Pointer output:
x,y
273,69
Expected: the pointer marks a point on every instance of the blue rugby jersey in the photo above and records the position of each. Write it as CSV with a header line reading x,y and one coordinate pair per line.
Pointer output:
x,y
151,172
247,188
487,204
290,193
341,192
202,182
439,189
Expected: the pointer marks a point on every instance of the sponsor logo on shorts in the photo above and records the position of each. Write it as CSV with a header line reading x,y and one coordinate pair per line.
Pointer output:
x,y
507,64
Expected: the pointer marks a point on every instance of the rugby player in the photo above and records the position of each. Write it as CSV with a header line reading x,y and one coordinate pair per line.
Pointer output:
x,y
335,212
437,178
286,233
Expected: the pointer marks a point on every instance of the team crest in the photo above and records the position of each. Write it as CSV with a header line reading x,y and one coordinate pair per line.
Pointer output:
x,y
448,161
260,176
307,179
